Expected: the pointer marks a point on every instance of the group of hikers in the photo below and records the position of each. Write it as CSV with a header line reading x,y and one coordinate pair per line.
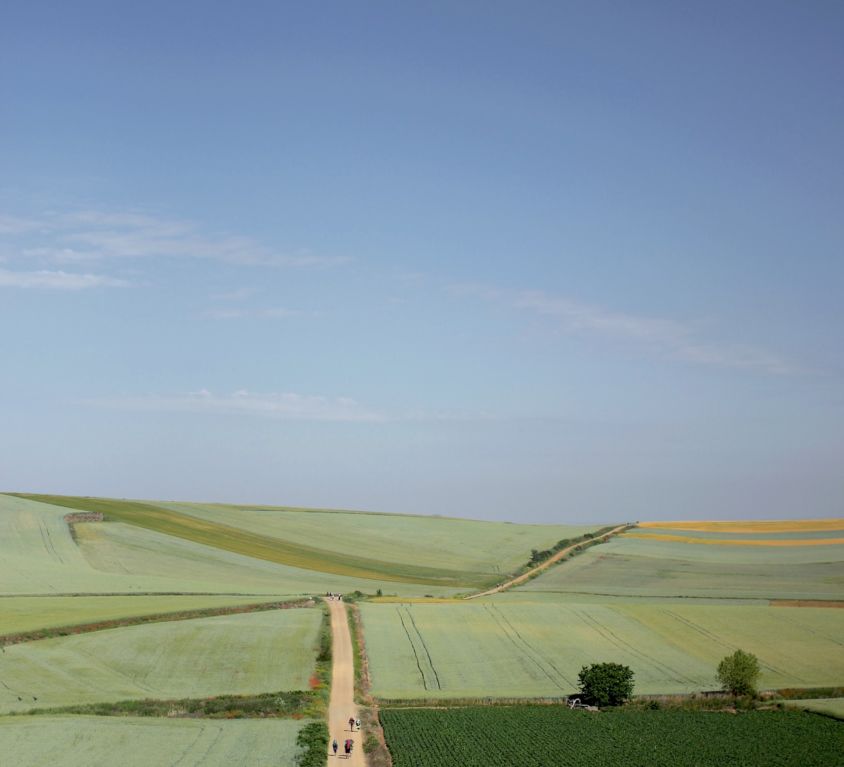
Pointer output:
x,y
349,743
331,595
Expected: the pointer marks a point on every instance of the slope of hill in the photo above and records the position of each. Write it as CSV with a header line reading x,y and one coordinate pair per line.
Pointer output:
x,y
437,551
732,560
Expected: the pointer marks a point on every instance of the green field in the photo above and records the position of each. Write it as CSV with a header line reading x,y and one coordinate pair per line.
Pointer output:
x,y
829,706
318,541
393,550
86,741
256,652
444,543
39,556
669,605
19,614
517,648
532,736
653,568
120,549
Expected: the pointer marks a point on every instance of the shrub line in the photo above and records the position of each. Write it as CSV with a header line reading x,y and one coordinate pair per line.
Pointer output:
x,y
179,615
291,704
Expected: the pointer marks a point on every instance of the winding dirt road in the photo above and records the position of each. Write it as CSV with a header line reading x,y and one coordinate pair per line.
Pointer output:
x,y
547,563
342,705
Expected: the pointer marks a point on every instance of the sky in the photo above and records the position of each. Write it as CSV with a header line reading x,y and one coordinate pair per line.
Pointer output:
x,y
538,262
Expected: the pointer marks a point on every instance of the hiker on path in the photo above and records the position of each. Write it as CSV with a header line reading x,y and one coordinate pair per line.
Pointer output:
x,y
348,746
335,746
351,724
357,723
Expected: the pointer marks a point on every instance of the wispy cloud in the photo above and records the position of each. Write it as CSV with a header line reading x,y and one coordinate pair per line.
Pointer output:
x,y
238,313
46,250
56,280
666,336
281,405
16,224
238,294
92,235
288,406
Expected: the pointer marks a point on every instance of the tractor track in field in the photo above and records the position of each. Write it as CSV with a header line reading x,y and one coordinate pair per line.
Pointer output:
x,y
715,638
613,638
527,644
425,647
419,662
413,647
525,650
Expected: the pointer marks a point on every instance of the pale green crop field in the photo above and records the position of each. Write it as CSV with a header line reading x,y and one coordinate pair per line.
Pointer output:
x,y
505,648
119,550
87,741
652,568
18,614
434,553
39,556
830,706
235,654
440,542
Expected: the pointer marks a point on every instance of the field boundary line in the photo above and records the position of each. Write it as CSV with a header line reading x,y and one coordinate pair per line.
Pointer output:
x,y
137,620
547,563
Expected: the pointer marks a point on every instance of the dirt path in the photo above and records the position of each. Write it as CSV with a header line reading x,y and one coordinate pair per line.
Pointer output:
x,y
547,563
342,703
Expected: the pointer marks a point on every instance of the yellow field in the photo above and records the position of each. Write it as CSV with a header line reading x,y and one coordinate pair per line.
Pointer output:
x,y
753,526
737,542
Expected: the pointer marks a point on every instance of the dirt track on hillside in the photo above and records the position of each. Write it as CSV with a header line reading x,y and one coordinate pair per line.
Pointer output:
x,y
539,568
342,703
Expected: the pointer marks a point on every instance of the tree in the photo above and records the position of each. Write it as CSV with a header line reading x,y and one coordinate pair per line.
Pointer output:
x,y
606,684
738,673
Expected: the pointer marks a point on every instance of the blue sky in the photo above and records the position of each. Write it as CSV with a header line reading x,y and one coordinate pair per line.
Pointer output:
x,y
541,262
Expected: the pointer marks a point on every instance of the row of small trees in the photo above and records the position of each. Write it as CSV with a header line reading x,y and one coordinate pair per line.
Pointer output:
x,y
611,684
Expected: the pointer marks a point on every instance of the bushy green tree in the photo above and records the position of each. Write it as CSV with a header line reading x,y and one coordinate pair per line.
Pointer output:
x,y
606,684
738,673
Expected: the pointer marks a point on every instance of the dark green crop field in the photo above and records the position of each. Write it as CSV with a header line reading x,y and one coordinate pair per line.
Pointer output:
x,y
552,736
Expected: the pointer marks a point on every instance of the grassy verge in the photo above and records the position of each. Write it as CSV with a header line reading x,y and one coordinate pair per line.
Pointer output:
x,y
296,704
313,742
180,615
362,685
537,557
374,744
320,682
229,538
711,701
806,693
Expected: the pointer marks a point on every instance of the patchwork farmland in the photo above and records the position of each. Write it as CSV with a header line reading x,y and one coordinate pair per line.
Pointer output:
x,y
135,627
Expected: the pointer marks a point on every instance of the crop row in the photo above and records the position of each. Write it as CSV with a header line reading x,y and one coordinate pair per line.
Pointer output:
x,y
540,736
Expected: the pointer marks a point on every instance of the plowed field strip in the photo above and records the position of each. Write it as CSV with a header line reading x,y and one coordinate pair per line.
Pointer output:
x,y
751,526
734,542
